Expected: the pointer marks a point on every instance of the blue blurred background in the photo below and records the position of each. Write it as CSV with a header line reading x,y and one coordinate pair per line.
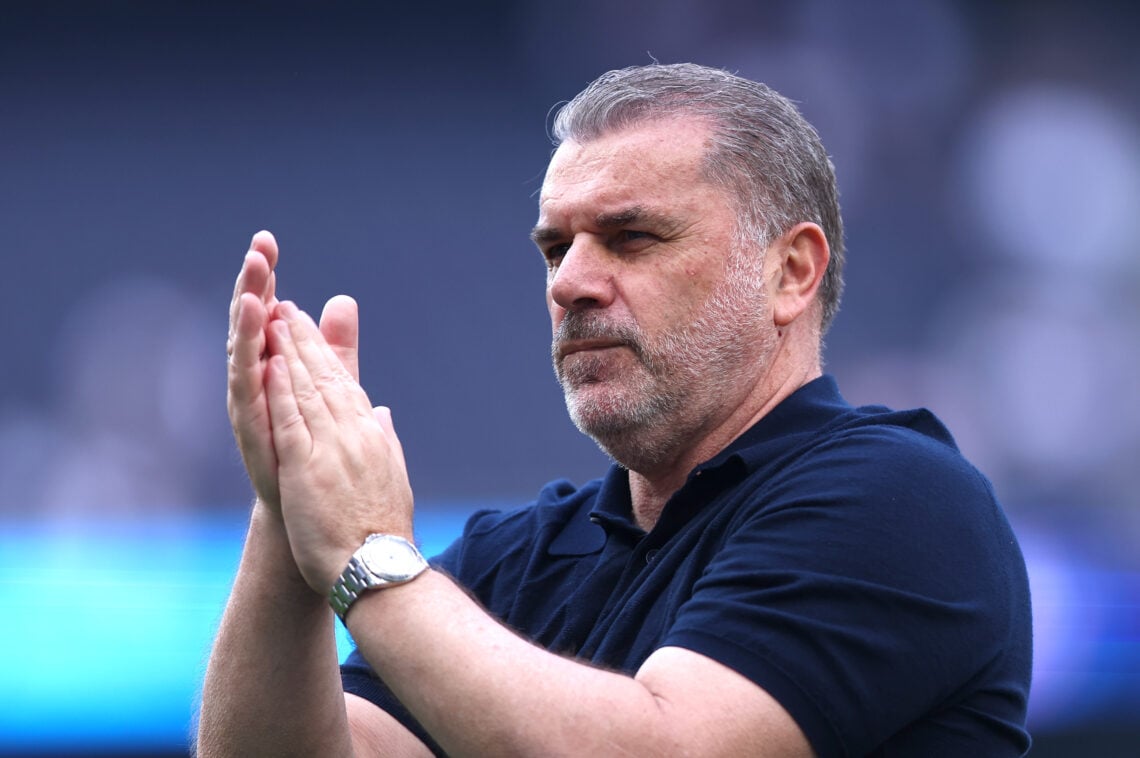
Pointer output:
x,y
989,161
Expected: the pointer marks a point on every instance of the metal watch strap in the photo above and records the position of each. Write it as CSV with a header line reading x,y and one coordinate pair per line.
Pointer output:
x,y
358,577
352,581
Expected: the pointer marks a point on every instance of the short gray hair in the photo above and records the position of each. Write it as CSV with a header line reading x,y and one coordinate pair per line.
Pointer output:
x,y
762,150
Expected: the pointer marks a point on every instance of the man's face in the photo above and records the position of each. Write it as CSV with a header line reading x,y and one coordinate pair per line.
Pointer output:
x,y
659,323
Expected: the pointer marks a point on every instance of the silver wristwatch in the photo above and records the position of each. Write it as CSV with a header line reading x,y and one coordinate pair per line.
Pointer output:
x,y
383,560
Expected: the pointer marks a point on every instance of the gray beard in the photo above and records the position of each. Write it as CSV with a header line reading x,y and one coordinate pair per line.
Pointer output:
x,y
629,419
647,416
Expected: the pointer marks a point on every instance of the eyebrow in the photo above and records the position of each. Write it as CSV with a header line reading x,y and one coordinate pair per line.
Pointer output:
x,y
636,214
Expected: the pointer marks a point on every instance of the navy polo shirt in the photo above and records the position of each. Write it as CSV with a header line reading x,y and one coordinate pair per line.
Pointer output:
x,y
847,560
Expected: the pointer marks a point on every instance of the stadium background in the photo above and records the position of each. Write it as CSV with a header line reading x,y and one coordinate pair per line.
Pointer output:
x,y
989,162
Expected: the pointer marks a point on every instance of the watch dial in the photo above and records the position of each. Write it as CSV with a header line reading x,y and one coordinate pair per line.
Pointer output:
x,y
390,558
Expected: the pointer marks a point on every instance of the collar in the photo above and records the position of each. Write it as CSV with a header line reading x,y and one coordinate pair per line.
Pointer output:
x,y
610,511
801,413
613,508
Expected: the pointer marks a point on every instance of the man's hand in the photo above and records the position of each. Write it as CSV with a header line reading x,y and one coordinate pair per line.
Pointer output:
x,y
341,472
254,300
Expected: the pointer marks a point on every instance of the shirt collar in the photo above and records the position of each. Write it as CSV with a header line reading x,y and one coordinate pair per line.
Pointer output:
x,y
810,407
610,510
613,508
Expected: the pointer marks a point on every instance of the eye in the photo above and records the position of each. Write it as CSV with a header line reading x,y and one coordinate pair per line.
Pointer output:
x,y
632,240
555,253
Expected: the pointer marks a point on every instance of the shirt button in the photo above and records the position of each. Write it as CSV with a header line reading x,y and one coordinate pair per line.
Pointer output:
x,y
649,556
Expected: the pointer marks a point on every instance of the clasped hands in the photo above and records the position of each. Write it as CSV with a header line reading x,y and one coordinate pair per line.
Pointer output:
x,y
319,455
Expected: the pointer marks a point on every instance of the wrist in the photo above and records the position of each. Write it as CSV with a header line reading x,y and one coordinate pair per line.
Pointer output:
x,y
383,561
267,531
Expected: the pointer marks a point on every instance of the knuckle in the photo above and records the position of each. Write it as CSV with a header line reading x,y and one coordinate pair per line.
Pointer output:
x,y
307,395
326,376
292,421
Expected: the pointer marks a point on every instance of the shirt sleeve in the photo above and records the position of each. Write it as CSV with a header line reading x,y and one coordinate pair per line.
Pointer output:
x,y
872,581
359,678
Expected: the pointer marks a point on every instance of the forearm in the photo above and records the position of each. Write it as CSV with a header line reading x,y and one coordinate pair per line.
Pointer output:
x,y
272,686
481,690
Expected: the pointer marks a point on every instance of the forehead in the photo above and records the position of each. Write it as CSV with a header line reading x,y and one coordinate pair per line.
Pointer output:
x,y
655,164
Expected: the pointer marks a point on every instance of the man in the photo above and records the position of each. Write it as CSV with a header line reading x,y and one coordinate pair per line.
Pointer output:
x,y
765,571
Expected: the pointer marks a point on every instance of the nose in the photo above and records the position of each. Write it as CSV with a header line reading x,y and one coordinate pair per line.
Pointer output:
x,y
582,279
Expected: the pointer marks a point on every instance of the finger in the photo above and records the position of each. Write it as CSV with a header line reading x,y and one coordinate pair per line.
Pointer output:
x,y
311,391
340,326
292,439
247,347
246,402
255,277
265,243
269,297
383,416
312,347
257,269
343,395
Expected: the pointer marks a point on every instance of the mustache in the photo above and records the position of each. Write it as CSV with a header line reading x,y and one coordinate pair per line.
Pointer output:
x,y
588,325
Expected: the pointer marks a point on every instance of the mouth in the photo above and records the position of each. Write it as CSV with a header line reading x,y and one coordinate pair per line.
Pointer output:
x,y
569,347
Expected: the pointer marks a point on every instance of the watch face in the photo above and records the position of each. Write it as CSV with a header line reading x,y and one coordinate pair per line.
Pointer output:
x,y
391,558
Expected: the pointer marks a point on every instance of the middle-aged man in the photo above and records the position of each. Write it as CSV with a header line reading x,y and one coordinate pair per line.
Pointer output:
x,y
764,571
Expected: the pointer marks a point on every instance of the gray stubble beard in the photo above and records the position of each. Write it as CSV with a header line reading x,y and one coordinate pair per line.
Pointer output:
x,y
646,421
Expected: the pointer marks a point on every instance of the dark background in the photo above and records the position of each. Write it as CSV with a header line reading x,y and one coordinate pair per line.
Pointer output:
x,y
988,159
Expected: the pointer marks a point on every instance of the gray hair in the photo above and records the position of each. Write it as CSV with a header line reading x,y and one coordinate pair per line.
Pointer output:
x,y
762,151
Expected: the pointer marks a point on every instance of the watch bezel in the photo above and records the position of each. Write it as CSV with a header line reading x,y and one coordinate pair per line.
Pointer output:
x,y
380,552
358,576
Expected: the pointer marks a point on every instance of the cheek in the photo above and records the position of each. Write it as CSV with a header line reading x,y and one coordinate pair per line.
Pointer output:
x,y
556,313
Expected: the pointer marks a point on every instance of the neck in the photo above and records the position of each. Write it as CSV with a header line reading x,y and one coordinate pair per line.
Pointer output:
x,y
651,486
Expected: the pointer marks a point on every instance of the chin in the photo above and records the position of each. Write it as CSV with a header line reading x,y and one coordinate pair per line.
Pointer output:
x,y
635,432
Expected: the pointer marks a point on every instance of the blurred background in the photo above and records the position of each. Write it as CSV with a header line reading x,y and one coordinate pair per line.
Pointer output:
x,y
989,161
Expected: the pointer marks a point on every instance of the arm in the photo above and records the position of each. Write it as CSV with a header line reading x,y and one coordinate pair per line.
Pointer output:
x,y
481,690
251,703
474,685
272,685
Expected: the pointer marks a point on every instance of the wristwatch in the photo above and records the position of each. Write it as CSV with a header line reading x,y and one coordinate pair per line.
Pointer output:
x,y
384,560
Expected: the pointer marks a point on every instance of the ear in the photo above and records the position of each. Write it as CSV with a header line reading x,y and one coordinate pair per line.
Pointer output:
x,y
801,256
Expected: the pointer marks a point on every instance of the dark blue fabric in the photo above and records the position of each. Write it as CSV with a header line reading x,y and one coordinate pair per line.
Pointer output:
x,y
848,560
